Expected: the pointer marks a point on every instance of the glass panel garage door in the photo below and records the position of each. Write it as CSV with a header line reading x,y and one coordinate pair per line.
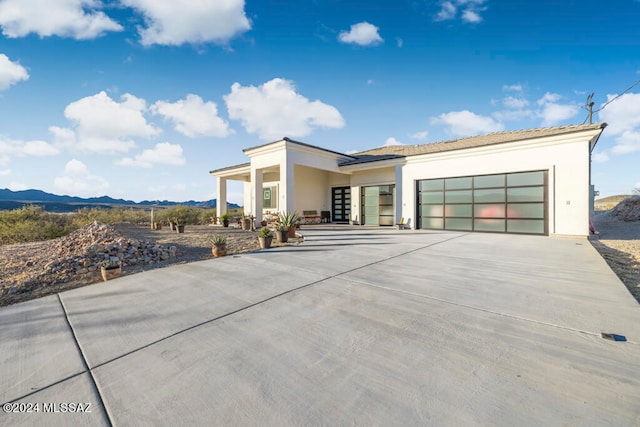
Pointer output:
x,y
501,203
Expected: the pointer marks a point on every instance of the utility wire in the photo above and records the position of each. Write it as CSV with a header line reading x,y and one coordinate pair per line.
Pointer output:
x,y
616,97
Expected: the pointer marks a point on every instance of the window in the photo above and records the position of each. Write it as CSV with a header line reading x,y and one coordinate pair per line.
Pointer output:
x,y
270,197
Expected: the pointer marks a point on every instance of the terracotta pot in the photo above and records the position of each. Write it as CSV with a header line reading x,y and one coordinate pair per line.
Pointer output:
x,y
246,224
111,273
292,232
265,242
219,250
282,236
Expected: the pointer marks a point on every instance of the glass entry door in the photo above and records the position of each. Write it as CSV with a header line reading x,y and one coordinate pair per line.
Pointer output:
x,y
378,205
341,203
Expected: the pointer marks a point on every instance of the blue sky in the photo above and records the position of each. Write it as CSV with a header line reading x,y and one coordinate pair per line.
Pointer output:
x,y
139,99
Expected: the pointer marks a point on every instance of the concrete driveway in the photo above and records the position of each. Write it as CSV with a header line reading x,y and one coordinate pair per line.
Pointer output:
x,y
357,326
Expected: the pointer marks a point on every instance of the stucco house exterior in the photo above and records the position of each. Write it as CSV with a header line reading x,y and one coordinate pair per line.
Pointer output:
x,y
535,181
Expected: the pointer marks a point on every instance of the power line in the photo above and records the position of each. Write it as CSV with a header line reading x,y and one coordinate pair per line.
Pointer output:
x,y
617,96
589,104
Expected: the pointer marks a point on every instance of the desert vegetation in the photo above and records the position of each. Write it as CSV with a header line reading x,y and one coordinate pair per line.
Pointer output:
x,y
32,223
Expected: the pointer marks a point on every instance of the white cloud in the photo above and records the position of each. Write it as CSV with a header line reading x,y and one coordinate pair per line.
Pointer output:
x,y
512,88
471,17
77,180
103,125
17,186
514,103
447,11
362,33
553,113
275,109
392,141
193,117
623,118
628,142
5,172
175,22
600,157
162,154
469,10
465,123
399,42
78,19
12,147
422,136
623,114
11,72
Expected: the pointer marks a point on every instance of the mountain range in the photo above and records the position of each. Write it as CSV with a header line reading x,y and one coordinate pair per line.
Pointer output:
x,y
56,203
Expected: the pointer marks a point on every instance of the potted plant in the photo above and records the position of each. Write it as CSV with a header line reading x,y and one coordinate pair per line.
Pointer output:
x,y
282,233
265,236
219,246
110,269
289,220
246,221
179,222
225,220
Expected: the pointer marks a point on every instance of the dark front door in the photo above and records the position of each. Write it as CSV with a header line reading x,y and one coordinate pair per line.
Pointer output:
x,y
341,203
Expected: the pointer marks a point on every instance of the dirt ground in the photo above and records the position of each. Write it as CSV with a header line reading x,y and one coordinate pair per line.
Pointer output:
x,y
619,244
21,265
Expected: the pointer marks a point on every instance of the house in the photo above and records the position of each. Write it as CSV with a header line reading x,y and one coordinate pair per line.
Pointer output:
x,y
535,181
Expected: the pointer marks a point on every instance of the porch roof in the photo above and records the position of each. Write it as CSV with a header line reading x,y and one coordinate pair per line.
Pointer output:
x,y
232,170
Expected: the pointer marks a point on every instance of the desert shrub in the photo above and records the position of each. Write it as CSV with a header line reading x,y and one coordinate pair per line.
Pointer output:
x,y
31,223
181,213
86,216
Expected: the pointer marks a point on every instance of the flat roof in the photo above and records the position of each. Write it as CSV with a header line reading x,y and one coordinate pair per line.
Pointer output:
x,y
304,144
395,151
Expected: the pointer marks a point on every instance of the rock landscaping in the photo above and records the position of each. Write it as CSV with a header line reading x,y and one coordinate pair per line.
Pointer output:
x,y
75,257
32,270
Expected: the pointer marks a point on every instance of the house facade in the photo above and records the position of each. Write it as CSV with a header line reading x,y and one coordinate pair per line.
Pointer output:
x,y
535,181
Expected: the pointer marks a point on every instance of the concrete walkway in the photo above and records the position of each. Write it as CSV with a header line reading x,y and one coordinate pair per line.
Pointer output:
x,y
357,326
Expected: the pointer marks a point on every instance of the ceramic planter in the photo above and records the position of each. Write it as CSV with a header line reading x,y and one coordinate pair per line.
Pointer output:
x,y
265,242
219,250
110,273
282,236
180,228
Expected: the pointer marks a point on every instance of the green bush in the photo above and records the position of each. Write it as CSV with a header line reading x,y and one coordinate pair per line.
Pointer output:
x,y
32,223
86,216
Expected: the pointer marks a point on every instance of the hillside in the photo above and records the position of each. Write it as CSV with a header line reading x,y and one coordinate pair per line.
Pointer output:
x,y
60,204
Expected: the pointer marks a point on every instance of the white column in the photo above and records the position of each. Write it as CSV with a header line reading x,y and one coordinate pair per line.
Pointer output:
x,y
221,200
287,201
398,200
256,194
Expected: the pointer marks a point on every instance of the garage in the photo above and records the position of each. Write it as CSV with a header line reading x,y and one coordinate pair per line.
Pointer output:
x,y
498,203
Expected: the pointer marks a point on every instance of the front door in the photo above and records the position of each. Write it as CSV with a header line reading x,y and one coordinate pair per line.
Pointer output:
x,y
341,203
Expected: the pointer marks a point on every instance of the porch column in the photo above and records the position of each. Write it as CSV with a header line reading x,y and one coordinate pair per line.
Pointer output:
x,y
286,187
221,200
256,194
398,201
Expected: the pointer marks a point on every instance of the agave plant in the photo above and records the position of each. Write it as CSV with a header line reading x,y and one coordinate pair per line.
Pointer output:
x,y
265,232
288,219
218,240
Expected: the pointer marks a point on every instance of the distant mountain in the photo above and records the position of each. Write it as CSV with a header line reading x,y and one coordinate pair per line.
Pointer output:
x,y
55,203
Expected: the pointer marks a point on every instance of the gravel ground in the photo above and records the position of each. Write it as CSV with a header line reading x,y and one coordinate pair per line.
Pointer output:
x,y
619,244
21,263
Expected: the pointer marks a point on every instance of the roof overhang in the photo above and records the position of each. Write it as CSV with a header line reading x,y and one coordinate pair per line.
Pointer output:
x,y
238,172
